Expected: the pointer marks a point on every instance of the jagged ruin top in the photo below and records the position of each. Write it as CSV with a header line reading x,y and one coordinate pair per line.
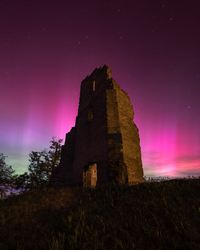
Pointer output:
x,y
105,70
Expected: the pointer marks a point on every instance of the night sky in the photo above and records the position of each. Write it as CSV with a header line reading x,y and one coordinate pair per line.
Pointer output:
x,y
152,48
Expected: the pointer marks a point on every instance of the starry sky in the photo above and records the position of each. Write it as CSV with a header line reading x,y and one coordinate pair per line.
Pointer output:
x,y
152,47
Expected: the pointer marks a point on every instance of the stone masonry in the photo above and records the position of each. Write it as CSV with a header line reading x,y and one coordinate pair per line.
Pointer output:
x,y
104,145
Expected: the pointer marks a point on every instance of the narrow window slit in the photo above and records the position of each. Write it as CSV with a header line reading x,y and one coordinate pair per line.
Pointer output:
x,y
93,82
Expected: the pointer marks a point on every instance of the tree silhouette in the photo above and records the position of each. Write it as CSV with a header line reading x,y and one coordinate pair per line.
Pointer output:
x,y
41,166
6,176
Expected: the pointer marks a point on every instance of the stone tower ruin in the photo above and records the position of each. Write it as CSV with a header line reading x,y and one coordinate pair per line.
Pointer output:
x,y
104,145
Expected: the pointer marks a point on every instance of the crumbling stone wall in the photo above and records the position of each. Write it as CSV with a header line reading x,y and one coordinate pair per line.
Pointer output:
x,y
104,135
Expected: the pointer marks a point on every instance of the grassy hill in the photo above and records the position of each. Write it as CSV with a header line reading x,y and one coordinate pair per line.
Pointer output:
x,y
152,215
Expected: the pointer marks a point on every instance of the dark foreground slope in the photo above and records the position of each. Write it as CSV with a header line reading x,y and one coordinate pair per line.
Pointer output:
x,y
152,215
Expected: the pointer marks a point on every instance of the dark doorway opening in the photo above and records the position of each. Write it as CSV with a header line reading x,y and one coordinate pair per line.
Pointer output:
x,y
90,175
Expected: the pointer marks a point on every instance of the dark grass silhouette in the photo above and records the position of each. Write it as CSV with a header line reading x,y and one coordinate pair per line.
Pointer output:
x,y
151,215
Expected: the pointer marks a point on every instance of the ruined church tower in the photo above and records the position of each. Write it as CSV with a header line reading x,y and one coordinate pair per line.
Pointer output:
x,y
104,145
